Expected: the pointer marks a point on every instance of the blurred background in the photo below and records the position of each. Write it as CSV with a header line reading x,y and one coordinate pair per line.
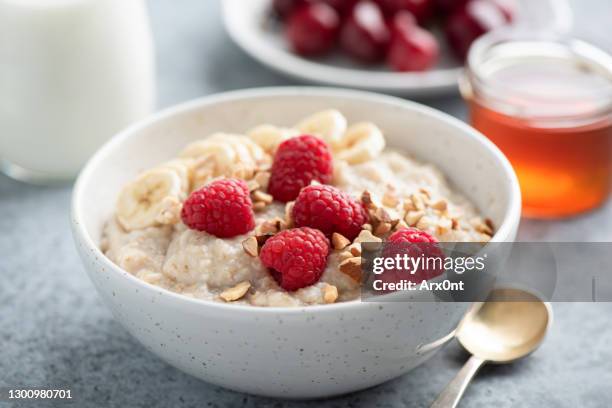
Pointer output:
x,y
54,330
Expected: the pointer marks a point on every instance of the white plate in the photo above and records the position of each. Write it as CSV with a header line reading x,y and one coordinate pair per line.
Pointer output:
x,y
250,25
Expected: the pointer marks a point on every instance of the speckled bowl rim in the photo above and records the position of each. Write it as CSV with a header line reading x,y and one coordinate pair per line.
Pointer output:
x,y
504,233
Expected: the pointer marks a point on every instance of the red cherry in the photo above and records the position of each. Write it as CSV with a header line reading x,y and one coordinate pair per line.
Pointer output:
x,y
284,8
412,48
364,35
476,18
421,9
312,29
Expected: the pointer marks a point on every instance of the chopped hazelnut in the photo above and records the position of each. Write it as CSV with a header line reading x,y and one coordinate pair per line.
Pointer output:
x,y
354,249
289,214
366,236
440,205
330,293
352,268
424,223
366,200
413,217
345,255
260,196
382,228
236,292
339,241
390,199
271,226
259,206
409,205
418,200
251,246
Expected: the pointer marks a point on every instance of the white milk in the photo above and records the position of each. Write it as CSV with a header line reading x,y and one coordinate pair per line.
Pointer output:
x,y
72,74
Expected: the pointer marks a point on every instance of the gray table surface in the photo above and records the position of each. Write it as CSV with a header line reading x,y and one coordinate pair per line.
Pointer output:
x,y
55,331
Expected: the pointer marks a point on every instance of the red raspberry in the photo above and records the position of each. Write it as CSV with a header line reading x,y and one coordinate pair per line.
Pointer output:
x,y
411,235
222,208
416,244
297,162
296,257
329,210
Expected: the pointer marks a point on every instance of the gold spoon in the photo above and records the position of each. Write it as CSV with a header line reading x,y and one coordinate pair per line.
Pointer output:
x,y
510,325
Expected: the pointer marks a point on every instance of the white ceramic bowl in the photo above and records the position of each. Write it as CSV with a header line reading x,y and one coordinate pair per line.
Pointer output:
x,y
249,25
317,351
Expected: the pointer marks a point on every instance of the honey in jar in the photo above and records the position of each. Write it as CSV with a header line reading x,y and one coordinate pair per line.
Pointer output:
x,y
547,104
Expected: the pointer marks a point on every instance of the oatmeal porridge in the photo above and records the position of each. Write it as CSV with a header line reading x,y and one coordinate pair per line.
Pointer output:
x,y
275,217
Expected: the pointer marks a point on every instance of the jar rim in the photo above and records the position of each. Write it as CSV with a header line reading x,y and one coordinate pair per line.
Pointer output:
x,y
476,85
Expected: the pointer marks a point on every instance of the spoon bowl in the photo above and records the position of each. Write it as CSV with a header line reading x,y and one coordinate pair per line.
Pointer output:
x,y
509,325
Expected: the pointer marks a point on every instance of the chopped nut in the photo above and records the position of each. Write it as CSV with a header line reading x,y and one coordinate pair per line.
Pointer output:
x,y
271,226
400,225
236,292
418,200
259,206
424,223
260,196
444,225
340,241
454,224
345,255
390,199
262,178
289,214
413,217
484,229
366,236
354,249
440,205
366,200
425,192
489,223
381,215
409,205
352,268
330,293
251,246
367,227
382,228
253,185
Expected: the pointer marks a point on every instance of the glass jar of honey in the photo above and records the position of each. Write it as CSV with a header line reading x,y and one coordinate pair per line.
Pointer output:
x,y
546,102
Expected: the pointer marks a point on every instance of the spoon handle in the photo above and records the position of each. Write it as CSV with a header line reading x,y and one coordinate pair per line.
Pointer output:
x,y
450,396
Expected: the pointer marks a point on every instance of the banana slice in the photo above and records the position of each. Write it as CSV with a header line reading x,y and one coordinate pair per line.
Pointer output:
x,y
184,169
269,137
246,150
153,198
361,142
257,153
222,153
329,125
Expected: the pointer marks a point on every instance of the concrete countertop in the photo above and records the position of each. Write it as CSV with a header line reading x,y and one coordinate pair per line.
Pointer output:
x,y
55,331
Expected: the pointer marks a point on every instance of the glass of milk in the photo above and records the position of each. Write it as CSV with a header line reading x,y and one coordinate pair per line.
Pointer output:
x,y
72,74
